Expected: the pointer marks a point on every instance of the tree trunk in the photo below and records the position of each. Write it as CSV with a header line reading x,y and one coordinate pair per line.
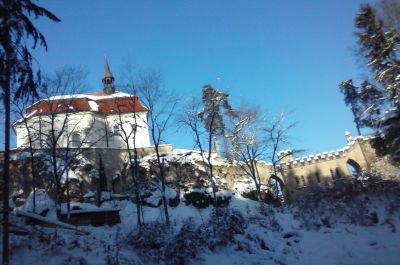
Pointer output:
x,y
135,182
6,170
32,160
162,177
56,177
68,199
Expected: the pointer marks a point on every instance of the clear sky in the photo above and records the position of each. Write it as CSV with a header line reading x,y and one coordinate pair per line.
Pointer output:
x,y
276,54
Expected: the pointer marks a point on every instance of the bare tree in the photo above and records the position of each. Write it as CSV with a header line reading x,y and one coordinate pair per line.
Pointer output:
x,y
74,148
53,121
277,139
248,147
161,105
203,135
127,125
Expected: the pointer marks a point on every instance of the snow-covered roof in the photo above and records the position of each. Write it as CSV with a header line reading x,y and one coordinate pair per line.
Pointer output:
x,y
118,102
93,96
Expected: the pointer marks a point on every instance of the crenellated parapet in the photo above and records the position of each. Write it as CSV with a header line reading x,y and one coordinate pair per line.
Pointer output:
x,y
340,153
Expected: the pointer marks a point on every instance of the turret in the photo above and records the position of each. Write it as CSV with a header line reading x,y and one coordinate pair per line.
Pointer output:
x,y
285,156
348,137
108,79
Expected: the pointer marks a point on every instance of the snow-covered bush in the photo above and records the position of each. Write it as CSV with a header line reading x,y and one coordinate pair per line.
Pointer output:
x,y
265,196
202,198
268,219
199,199
186,244
150,241
224,223
155,242
44,204
151,194
365,203
252,241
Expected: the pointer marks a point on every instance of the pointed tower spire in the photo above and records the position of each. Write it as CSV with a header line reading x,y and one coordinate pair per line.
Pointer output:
x,y
108,79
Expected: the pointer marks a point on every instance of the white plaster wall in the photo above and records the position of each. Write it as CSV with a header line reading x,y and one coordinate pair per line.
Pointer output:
x,y
95,130
126,123
89,127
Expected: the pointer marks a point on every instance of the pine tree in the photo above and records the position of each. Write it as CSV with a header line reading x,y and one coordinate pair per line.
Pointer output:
x,y
371,99
378,47
377,103
351,99
215,106
17,77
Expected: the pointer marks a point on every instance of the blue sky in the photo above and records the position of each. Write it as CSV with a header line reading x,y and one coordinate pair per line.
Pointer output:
x,y
275,54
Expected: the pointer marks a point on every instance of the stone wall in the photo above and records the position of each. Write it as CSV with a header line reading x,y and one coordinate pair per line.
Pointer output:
x,y
327,168
296,175
115,160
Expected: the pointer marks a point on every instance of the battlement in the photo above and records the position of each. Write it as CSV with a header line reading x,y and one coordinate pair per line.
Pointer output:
x,y
325,156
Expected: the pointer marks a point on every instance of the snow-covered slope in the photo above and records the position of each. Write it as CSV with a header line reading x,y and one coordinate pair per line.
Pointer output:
x,y
329,231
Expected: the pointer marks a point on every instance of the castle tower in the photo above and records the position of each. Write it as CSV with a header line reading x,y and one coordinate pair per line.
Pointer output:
x,y
108,79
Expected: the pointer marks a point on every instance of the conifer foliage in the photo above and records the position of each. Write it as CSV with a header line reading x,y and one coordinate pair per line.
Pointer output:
x,y
376,103
17,78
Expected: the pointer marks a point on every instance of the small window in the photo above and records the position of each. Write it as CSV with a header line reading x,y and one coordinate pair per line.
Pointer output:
x,y
317,177
116,129
303,180
76,139
332,174
338,175
297,180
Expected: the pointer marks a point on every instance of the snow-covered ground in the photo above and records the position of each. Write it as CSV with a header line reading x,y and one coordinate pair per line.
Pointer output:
x,y
267,236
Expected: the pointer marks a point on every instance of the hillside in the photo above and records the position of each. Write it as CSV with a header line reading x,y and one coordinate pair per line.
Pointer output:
x,y
361,227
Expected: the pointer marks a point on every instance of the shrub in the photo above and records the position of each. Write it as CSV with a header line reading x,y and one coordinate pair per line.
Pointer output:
x,y
198,199
150,239
266,197
157,243
225,224
270,220
186,245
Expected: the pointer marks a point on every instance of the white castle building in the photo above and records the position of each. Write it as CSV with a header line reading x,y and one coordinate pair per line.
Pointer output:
x,y
99,120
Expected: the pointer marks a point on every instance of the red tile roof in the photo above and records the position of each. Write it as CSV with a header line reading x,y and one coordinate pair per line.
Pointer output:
x,y
120,105
106,104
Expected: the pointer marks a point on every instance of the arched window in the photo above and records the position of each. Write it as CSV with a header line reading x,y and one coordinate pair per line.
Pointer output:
x,y
303,180
297,180
76,140
276,185
332,174
354,168
338,174
317,177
